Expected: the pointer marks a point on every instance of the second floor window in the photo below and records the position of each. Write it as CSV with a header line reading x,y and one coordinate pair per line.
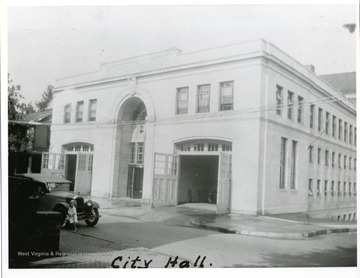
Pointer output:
x,y
67,113
334,127
92,110
327,122
312,111
345,131
320,119
226,96
290,103
279,101
300,109
203,99
79,111
340,129
182,100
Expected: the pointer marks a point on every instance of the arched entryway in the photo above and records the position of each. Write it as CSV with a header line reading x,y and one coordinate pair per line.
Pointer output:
x,y
131,135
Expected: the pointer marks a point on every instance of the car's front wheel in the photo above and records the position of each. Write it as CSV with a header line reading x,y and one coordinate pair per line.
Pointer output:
x,y
94,219
63,212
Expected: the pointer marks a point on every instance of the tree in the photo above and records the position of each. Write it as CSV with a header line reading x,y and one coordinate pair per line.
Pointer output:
x,y
18,140
46,99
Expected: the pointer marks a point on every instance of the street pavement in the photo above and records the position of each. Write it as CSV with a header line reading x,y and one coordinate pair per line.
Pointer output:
x,y
103,249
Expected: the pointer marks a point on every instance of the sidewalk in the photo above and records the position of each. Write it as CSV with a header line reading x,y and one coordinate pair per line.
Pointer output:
x,y
280,227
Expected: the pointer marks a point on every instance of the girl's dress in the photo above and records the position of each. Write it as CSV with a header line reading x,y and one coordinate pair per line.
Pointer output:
x,y
72,217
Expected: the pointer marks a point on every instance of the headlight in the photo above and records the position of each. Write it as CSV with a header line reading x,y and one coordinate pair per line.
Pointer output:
x,y
89,203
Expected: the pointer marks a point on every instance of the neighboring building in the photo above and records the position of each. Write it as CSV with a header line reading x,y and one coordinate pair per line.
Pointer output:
x,y
39,128
244,127
344,82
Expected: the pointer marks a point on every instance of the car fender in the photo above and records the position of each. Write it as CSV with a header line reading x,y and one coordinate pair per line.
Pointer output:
x,y
96,205
61,205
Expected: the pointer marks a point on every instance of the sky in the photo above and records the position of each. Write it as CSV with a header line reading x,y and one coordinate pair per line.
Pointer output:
x,y
49,43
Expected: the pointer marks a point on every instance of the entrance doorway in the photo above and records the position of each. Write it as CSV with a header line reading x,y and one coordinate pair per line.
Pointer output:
x,y
70,171
135,182
198,179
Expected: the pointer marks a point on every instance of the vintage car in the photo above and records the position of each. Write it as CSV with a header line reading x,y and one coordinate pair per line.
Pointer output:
x,y
56,196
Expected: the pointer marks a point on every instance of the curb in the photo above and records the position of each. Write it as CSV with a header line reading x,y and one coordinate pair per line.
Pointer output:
x,y
274,235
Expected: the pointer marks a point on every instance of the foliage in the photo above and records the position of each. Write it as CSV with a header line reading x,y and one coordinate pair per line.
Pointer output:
x,y
46,99
18,133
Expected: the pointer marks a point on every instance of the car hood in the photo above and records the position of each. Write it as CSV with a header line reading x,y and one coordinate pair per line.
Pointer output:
x,y
64,194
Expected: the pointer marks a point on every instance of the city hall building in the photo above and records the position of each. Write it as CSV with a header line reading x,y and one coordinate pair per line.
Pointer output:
x,y
244,128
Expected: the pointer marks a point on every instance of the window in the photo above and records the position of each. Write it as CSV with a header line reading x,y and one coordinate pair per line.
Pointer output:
x,y
82,162
203,99
339,161
213,147
91,159
312,111
290,102
340,129
282,162
226,95
344,188
355,136
349,188
354,164
334,127
320,119
350,160
140,153
345,131
339,188
332,188
311,154
132,152
333,159
79,111
351,135
326,188
182,96
318,188
67,113
199,147
226,148
327,123
354,188
326,158
137,153
45,161
344,161
310,188
319,156
293,165
92,110
300,109
279,101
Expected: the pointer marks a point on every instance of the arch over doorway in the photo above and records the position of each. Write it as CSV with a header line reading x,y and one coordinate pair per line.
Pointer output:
x,y
130,148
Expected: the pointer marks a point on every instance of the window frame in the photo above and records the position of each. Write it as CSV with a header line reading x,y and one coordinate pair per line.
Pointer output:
x,y
179,109
79,115
221,88
200,109
91,110
67,113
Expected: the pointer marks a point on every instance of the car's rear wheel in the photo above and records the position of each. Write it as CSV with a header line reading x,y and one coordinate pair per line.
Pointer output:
x,y
94,219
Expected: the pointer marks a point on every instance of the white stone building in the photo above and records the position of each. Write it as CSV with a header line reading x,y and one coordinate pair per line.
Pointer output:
x,y
244,127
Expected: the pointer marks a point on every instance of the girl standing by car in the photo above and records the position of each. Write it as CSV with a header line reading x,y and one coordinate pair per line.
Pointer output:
x,y
71,215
